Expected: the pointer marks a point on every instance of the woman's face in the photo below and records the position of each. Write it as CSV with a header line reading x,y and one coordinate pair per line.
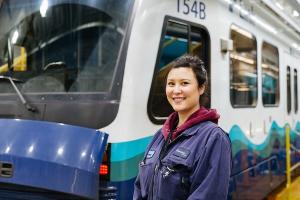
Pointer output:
x,y
182,90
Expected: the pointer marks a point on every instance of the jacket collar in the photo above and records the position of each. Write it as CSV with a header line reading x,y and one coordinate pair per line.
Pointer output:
x,y
201,115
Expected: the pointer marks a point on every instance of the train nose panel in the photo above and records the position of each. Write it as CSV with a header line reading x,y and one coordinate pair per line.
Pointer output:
x,y
51,157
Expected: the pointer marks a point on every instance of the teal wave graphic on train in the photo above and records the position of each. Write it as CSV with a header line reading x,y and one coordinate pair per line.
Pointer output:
x,y
250,161
126,155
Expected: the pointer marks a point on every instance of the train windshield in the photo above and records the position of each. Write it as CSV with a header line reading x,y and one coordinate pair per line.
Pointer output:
x,y
66,50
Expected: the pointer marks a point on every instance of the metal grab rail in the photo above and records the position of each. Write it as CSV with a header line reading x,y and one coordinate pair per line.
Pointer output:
x,y
289,168
295,148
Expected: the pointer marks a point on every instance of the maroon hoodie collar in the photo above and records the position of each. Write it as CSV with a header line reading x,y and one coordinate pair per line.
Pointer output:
x,y
201,115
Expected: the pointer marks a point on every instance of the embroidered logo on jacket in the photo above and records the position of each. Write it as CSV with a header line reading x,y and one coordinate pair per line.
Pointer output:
x,y
150,154
182,152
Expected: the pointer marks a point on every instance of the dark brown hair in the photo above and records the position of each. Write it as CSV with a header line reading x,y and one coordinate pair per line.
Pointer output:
x,y
196,64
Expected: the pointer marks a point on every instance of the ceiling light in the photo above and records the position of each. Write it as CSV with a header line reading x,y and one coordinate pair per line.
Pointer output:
x,y
229,1
295,13
296,46
241,31
279,5
241,58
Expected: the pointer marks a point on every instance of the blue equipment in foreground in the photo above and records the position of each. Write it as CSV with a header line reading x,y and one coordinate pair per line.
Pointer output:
x,y
44,160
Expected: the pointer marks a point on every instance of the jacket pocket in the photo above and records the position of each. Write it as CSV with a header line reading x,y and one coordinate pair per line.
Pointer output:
x,y
145,177
173,181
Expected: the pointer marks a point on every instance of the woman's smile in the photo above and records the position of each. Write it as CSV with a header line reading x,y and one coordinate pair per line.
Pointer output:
x,y
178,99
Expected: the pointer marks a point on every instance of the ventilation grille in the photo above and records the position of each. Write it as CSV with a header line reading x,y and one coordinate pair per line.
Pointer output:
x,y
6,170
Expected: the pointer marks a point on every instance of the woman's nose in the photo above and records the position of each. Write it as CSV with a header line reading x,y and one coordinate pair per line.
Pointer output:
x,y
177,89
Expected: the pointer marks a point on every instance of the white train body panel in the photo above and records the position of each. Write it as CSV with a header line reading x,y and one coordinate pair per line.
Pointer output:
x,y
132,121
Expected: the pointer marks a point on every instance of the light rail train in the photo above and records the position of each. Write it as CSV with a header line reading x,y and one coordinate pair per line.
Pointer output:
x,y
100,64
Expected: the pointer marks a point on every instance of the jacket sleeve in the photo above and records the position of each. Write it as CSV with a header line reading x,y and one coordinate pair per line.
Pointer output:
x,y
211,174
137,195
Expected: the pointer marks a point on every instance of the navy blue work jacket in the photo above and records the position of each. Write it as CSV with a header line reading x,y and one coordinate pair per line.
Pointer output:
x,y
196,165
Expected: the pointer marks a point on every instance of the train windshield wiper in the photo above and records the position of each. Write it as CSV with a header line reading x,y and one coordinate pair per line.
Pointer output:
x,y
20,95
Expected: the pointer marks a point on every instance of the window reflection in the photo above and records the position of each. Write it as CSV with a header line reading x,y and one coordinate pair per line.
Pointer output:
x,y
288,89
243,68
270,74
295,90
175,44
179,39
87,39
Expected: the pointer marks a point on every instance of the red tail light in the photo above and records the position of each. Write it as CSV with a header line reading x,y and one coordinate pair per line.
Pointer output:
x,y
103,169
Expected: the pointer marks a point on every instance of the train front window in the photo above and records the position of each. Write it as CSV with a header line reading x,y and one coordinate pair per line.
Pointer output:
x,y
63,50
65,47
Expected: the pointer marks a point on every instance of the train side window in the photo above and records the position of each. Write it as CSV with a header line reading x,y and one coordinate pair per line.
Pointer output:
x,y
288,90
270,75
296,90
179,38
243,68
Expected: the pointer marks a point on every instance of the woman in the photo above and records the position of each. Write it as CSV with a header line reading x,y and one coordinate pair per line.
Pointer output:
x,y
190,157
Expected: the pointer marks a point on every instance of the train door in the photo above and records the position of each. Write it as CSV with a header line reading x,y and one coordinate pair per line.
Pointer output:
x,y
178,38
294,88
290,78
291,95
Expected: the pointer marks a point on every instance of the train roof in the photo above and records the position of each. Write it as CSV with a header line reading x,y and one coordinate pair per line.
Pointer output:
x,y
281,18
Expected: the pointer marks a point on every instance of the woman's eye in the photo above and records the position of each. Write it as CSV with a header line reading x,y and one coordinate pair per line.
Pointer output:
x,y
170,84
185,83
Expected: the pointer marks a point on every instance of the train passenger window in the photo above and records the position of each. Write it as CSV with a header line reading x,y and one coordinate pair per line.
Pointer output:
x,y
270,75
243,68
288,90
296,90
178,38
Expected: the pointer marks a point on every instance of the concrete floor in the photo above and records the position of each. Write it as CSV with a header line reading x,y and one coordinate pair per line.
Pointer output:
x,y
293,193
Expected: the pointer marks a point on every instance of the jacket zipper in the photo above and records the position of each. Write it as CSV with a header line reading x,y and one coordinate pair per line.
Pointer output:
x,y
165,148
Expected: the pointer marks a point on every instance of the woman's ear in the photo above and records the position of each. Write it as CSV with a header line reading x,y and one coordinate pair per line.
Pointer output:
x,y
201,89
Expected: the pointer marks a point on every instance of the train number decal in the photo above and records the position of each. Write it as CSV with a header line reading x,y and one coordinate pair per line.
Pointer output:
x,y
195,8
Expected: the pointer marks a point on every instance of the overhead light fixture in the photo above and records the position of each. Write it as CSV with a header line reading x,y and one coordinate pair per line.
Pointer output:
x,y
271,67
241,58
296,46
295,13
279,5
229,1
241,31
